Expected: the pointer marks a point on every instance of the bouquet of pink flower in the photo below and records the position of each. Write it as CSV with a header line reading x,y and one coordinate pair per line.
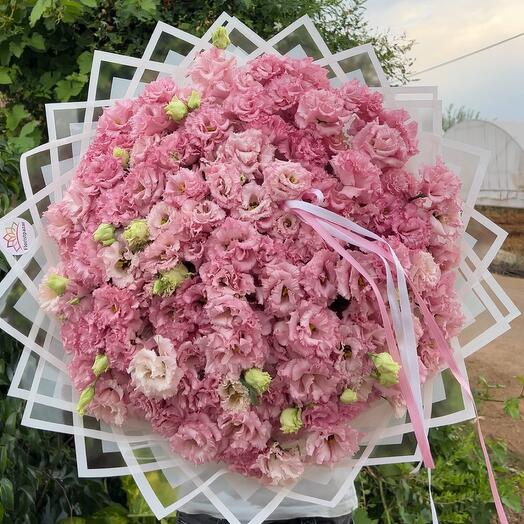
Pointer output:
x,y
191,295
249,260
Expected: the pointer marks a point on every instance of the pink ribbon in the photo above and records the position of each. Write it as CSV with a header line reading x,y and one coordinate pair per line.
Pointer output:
x,y
331,227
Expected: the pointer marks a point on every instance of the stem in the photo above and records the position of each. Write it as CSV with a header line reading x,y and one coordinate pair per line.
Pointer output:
x,y
384,503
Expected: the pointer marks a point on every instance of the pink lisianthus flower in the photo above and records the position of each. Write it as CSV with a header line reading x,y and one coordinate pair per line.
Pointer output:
x,y
212,73
224,181
281,288
248,106
221,279
310,380
197,439
209,126
202,215
312,329
308,149
255,204
184,184
150,119
359,176
318,276
229,312
115,119
81,370
245,430
313,75
286,180
160,91
286,225
231,351
439,184
109,403
329,445
412,226
424,272
156,375
284,92
234,241
114,307
247,149
145,186
100,170
117,261
383,144
87,267
401,120
279,466
322,109
360,99
160,218
265,67
178,149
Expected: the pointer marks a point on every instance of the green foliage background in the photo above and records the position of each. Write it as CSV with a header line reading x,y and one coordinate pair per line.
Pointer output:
x,y
46,48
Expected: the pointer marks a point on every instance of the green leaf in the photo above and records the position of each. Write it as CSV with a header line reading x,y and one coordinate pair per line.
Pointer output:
x,y
5,77
360,516
113,514
17,48
84,62
20,144
3,459
520,379
512,501
37,42
29,128
10,423
512,408
6,494
89,3
71,86
38,11
15,115
72,520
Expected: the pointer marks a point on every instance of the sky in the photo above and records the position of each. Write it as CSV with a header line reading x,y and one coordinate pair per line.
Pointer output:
x,y
491,82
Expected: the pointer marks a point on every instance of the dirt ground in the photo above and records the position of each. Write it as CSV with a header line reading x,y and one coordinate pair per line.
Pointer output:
x,y
500,362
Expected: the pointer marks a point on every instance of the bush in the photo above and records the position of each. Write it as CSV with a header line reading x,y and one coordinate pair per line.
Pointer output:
x,y
461,491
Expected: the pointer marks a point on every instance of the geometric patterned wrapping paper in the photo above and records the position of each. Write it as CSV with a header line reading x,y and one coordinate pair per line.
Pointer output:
x,y
166,480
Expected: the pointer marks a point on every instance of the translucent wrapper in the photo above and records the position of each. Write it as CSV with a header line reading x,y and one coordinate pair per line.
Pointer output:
x,y
167,481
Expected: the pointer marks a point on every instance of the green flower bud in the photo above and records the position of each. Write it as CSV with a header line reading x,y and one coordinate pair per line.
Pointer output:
x,y
291,420
85,398
123,155
348,396
259,380
100,365
176,109
220,38
105,234
57,283
193,102
387,369
136,234
167,283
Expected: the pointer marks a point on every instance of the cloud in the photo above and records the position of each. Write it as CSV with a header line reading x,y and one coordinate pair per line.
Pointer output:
x,y
489,82
445,29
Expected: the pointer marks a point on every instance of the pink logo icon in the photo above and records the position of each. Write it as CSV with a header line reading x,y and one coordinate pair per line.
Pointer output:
x,y
11,237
